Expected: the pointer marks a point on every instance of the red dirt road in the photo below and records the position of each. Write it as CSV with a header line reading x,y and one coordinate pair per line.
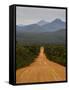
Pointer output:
x,y
41,70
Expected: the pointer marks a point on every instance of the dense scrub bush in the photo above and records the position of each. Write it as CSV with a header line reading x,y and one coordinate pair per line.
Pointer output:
x,y
25,55
56,53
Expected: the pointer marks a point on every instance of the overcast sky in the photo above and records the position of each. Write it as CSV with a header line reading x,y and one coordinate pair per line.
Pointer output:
x,y
29,15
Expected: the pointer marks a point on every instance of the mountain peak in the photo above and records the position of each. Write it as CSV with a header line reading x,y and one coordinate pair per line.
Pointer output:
x,y
42,22
57,20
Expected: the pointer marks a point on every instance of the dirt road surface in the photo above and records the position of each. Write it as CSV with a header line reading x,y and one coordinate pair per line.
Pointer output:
x,y
41,70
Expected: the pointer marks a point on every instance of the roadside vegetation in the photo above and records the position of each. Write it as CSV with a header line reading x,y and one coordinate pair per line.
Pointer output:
x,y
25,55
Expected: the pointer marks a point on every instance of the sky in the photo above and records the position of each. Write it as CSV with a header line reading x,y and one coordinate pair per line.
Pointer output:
x,y
29,15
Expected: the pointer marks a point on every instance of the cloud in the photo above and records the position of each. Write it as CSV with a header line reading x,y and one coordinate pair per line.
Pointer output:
x,y
28,15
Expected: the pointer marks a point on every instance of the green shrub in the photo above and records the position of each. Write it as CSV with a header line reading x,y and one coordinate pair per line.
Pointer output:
x,y
25,55
56,53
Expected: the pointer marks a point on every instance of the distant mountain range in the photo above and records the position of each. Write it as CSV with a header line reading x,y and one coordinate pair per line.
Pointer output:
x,y
42,26
42,32
42,22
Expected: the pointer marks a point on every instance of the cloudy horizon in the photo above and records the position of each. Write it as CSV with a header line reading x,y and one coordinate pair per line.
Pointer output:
x,y
29,15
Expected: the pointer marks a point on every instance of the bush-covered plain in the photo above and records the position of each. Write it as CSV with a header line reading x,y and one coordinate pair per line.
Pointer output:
x,y
56,53
25,55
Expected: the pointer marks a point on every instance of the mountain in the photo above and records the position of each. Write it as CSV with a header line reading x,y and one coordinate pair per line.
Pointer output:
x,y
29,28
42,32
42,22
54,25
42,26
